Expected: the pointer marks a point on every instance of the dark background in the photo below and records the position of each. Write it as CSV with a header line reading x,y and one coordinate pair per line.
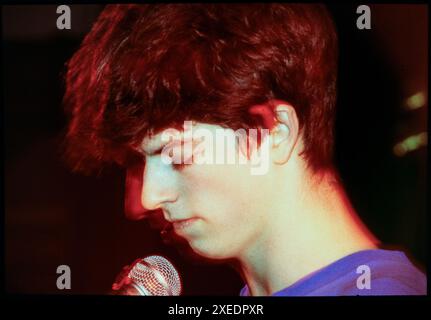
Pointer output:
x,y
53,217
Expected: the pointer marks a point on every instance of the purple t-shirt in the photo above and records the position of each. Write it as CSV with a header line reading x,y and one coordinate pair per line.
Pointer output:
x,y
380,272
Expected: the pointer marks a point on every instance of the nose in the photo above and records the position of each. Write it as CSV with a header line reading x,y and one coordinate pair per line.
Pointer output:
x,y
159,185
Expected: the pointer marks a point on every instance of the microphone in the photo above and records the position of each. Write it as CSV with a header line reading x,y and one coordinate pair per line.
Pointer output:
x,y
152,276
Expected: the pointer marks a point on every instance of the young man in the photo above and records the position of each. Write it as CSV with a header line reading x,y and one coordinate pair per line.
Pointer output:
x,y
147,76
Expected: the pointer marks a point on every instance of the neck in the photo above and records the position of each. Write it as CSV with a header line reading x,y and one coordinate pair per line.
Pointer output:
x,y
322,228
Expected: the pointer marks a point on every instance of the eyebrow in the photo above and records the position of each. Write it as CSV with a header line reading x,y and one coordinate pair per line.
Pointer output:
x,y
159,149
156,151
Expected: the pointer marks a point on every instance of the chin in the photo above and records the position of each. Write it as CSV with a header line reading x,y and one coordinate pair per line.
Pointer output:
x,y
202,249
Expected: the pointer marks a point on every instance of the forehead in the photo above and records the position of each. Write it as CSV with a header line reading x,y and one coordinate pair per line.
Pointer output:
x,y
152,142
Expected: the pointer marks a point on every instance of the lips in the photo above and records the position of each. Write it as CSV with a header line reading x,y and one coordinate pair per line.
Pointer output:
x,y
183,223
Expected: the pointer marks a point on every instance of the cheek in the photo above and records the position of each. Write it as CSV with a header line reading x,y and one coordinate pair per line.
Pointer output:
x,y
226,199
222,193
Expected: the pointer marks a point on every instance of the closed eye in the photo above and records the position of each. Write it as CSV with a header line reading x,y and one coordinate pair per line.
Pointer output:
x,y
182,155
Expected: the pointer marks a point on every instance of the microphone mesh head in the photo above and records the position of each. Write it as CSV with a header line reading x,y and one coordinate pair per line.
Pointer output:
x,y
157,275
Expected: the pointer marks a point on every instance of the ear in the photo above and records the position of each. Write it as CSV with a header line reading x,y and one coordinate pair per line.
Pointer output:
x,y
281,119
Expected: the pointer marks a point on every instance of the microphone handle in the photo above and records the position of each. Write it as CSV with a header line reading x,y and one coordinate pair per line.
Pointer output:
x,y
132,289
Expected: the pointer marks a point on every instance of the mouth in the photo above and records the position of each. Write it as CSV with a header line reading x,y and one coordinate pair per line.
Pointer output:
x,y
183,224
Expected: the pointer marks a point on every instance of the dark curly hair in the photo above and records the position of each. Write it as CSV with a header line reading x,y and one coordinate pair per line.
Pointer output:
x,y
146,67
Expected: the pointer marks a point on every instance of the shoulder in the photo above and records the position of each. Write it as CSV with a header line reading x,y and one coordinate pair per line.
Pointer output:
x,y
387,272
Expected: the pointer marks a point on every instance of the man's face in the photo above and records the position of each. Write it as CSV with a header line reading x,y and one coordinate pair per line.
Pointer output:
x,y
219,208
